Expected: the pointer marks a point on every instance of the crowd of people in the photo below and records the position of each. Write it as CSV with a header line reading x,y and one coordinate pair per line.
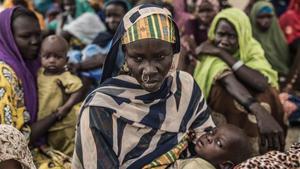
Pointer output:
x,y
178,84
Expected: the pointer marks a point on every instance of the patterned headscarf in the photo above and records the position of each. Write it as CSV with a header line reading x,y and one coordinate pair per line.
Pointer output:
x,y
154,26
14,147
160,26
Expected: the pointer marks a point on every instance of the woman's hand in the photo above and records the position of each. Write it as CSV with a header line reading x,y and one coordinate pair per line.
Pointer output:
x,y
271,134
208,48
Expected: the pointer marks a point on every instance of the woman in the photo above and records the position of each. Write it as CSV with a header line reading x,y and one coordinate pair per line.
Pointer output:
x,y
290,24
234,72
19,47
266,30
142,116
14,152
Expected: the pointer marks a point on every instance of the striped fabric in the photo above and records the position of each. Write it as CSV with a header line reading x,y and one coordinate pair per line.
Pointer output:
x,y
123,126
157,26
169,157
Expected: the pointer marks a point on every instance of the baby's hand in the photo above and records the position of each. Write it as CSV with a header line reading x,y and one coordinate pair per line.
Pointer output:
x,y
61,112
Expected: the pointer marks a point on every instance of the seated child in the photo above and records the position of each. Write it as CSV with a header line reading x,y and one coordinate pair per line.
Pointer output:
x,y
221,147
60,92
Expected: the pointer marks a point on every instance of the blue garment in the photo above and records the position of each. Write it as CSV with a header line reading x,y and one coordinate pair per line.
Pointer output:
x,y
294,119
76,56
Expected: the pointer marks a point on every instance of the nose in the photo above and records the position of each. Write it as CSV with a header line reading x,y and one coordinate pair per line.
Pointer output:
x,y
149,69
225,41
209,138
35,40
52,59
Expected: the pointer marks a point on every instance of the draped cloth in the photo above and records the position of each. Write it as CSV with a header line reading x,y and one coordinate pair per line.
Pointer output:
x,y
123,126
25,69
250,52
272,41
290,21
14,146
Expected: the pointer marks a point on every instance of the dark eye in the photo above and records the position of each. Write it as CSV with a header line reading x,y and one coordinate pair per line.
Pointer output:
x,y
138,59
218,142
161,57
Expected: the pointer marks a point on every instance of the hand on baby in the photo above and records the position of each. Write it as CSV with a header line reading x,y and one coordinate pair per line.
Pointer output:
x,y
288,106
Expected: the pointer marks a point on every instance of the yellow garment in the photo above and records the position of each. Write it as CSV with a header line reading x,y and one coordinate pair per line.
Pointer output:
x,y
155,26
13,112
192,163
12,108
61,134
9,4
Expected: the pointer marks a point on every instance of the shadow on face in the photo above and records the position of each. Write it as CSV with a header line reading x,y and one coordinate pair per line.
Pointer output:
x,y
226,36
151,58
27,35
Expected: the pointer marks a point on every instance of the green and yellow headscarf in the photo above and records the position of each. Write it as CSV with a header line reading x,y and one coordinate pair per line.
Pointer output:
x,y
250,52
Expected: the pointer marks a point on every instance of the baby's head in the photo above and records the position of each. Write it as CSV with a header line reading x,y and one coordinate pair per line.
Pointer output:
x,y
54,54
223,146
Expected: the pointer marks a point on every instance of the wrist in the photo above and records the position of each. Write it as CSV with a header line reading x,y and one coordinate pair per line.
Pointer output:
x,y
250,104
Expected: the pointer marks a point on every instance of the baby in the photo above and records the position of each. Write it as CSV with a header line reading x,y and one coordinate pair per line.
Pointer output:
x,y
59,92
221,147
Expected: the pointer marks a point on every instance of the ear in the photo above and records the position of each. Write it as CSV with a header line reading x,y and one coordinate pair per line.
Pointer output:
x,y
226,165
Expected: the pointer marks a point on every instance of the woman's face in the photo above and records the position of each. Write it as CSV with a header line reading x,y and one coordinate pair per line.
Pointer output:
x,y
113,16
205,13
149,58
70,6
226,37
27,34
264,21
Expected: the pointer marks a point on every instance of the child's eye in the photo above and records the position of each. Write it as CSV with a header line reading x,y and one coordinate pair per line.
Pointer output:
x,y
219,143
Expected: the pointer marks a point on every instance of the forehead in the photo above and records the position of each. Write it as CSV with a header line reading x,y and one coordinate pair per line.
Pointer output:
x,y
53,46
146,46
114,8
69,2
225,26
25,24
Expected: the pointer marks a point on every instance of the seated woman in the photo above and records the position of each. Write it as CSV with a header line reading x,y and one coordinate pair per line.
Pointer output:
x,y
14,151
238,81
19,48
146,112
267,32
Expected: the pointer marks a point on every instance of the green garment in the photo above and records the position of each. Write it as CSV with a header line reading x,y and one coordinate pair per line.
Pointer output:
x,y
83,6
272,41
250,52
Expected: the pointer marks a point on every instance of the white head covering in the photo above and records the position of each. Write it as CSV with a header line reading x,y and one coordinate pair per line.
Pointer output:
x,y
13,146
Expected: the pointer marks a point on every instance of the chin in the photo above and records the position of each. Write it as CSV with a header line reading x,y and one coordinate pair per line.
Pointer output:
x,y
151,88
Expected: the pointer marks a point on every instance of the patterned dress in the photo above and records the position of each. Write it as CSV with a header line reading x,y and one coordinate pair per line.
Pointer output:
x,y
13,112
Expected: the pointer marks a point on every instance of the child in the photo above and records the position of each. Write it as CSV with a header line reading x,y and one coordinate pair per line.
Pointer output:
x,y
221,147
54,85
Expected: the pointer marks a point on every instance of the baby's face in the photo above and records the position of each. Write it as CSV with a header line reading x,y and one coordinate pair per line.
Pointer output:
x,y
216,144
53,57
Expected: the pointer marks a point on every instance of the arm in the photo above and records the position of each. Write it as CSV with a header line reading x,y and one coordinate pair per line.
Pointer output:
x,y
271,134
248,76
294,71
90,63
74,98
